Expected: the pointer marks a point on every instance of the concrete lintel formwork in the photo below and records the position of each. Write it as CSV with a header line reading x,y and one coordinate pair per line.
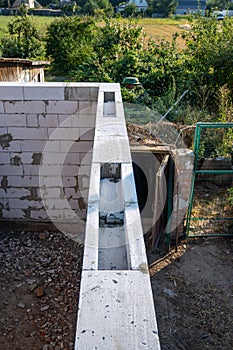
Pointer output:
x,y
116,309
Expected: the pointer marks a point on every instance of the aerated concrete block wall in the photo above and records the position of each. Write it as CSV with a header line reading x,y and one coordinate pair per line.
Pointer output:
x,y
50,124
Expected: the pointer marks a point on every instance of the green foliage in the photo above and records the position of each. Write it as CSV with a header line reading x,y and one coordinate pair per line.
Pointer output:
x,y
115,2
165,7
93,7
23,40
89,52
130,10
218,5
3,3
208,56
230,195
69,42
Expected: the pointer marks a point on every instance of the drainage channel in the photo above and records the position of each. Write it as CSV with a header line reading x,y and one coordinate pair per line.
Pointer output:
x,y
112,242
116,309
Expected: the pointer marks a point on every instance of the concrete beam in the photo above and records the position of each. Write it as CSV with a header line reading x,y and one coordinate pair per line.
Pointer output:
x,y
116,309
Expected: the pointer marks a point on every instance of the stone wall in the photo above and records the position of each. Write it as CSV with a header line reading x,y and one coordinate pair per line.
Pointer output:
x,y
46,133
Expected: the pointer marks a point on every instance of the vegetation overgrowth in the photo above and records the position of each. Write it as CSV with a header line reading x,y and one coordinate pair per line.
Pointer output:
x,y
82,48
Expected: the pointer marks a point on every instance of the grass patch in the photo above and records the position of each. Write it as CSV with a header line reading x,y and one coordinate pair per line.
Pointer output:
x,y
41,23
157,28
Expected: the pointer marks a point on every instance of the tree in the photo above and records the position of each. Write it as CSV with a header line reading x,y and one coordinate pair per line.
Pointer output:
x,y
69,42
130,10
218,4
23,40
91,7
208,56
164,7
115,2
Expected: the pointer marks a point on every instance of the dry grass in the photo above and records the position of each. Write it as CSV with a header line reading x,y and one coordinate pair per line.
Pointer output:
x,y
164,29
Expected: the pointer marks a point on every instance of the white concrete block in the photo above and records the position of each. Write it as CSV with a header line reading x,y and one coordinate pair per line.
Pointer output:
x,y
75,146
94,93
134,236
50,170
1,107
4,158
39,214
56,204
55,215
85,158
13,214
14,146
18,107
12,120
24,204
72,193
62,133
52,193
70,170
129,189
50,120
31,170
87,134
84,92
52,147
67,146
116,312
32,120
77,93
33,145
62,107
28,133
14,193
110,151
8,169
50,181
3,131
90,258
74,215
43,92
80,121
53,158
11,93
69,181
111,128
87,108
72,158
23,181
24,158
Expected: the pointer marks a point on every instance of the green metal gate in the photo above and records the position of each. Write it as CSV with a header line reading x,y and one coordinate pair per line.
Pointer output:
x,y
210,210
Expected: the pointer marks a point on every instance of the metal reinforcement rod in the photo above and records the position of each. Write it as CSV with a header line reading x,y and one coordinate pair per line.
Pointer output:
x,y
116,308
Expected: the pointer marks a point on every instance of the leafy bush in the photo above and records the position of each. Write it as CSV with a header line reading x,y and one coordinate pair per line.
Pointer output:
x,y
69,42
23,40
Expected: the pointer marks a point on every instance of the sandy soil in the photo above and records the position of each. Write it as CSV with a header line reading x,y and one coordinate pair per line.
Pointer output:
x,y
39,285
193,293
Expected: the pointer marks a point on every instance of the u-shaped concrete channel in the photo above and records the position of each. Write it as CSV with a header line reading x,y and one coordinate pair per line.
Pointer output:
x,y
116,308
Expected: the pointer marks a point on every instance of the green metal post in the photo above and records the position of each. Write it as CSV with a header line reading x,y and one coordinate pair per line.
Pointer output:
x,y
196,171
196,148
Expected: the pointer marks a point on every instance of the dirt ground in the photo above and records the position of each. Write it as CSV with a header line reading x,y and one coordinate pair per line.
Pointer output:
x,y
193,293
39,286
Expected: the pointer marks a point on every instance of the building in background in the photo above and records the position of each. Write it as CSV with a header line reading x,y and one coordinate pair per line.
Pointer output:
x,y
190,6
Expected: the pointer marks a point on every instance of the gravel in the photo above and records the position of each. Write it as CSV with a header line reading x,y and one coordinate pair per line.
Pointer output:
x,y
39,286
